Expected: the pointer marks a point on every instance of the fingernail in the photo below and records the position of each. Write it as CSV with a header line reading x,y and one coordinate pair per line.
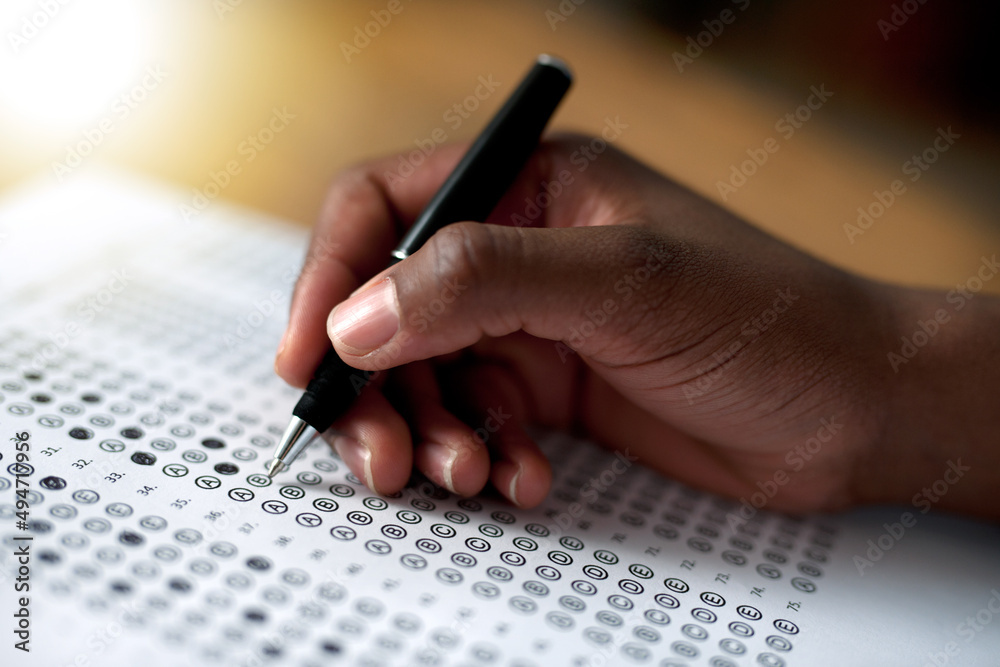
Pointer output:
x,y
444,458
513,487
281,348
356,456
367,320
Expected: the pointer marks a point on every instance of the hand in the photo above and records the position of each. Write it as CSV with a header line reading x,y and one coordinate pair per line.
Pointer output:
x,y
625,308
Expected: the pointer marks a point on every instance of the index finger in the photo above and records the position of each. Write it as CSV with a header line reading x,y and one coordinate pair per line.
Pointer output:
x,y
367,209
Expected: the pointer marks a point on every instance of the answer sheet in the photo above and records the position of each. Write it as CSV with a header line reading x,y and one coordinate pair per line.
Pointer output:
x,y
136,381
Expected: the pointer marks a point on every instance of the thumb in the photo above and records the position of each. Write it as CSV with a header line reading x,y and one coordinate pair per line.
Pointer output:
x,y
586,287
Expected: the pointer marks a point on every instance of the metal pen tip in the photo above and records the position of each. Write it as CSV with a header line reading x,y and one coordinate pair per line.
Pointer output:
x,y
275,467
291,444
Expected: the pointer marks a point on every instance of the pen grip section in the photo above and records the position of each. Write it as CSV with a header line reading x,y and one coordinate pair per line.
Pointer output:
x,y
334,388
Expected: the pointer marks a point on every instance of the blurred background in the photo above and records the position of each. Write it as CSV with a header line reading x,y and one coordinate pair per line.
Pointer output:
x,y
292,91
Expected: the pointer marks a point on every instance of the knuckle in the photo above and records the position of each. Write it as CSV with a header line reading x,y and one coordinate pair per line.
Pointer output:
x,y
350,184
640,247
465,253
568,143
649,269
346,180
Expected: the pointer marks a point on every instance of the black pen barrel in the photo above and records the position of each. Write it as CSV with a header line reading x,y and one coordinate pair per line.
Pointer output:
x,y
496,157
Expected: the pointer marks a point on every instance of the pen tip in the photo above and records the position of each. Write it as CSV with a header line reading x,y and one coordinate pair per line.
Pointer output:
x,y
274,468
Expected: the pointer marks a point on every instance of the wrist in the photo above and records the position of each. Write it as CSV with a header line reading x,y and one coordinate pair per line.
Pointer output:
x,y
936,445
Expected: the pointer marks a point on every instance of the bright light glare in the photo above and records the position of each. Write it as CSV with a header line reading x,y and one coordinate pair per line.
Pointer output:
x,y
63,62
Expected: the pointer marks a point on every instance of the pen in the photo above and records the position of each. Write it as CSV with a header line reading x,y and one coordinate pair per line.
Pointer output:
x,y
470,193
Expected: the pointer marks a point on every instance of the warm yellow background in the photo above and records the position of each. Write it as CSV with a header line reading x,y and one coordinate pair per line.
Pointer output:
x,y
227,70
